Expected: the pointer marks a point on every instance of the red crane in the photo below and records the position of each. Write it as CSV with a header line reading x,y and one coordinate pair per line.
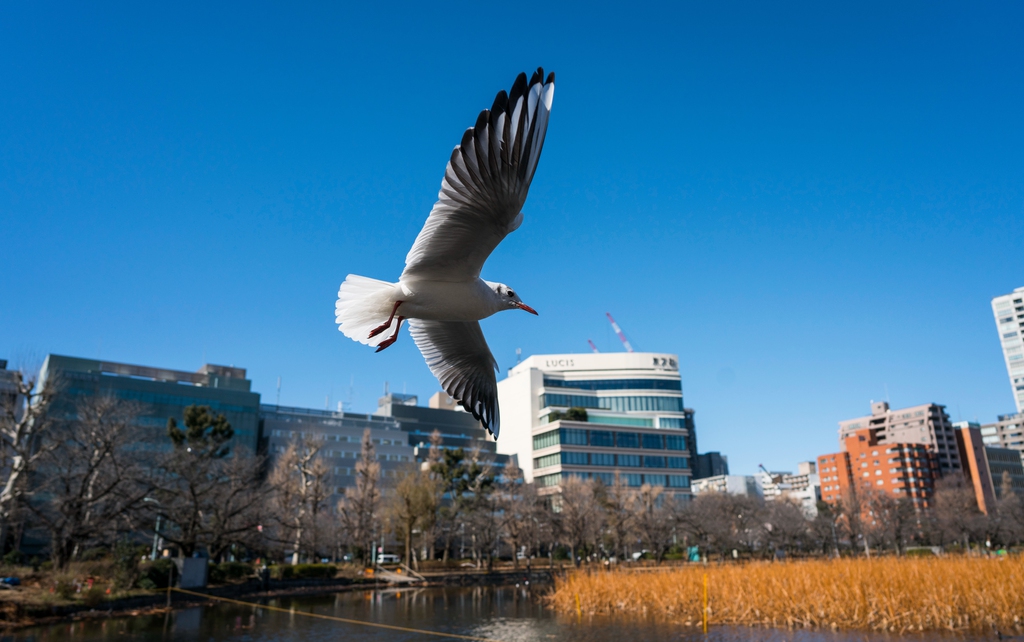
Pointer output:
x,y
618,331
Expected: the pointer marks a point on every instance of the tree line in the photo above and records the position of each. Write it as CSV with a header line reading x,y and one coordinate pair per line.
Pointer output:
x,y
89,477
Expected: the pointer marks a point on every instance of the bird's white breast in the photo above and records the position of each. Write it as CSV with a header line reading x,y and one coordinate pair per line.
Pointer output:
x,y
447,301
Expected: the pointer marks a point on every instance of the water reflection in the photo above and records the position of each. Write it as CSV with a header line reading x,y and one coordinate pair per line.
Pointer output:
x,y
510,614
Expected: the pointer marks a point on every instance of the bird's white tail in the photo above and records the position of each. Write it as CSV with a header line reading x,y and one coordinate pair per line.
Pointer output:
x,y
363,304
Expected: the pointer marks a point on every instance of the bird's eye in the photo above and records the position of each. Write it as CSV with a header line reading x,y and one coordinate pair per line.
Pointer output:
x,y
511,293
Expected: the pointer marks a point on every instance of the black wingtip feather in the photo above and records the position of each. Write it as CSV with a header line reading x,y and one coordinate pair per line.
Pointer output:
x,y
537,76
481,120
551,79
518,89
499,102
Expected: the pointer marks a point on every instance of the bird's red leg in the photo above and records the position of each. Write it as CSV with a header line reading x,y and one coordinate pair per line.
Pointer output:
x,y
387,343
384,326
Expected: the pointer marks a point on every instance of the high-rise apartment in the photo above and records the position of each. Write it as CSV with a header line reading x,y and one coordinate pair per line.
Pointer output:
x,y
926,424
1007,432
595,416
1009,312
866,465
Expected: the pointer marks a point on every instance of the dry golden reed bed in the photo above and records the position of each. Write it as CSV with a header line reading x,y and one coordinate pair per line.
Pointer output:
x,y
888,594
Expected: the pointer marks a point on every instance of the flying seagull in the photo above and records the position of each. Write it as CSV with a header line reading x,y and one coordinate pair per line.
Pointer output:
x,y
440,291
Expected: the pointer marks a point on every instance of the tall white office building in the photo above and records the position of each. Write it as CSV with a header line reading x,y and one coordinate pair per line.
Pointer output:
x,y
1009,313
627,419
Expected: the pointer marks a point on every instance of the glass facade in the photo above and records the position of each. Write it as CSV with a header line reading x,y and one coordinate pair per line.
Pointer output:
x,y
615,384
616,404
608,439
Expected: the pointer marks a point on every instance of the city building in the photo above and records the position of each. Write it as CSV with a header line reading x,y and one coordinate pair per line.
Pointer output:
x,y
803,487
866,464
341,434
988,466
1008,310
710,464
1006,466
1007,432
457,428
8,385
597,415
975,464
927,424
160,393
731,484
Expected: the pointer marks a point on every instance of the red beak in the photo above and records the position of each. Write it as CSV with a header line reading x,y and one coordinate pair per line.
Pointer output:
x,y
523,306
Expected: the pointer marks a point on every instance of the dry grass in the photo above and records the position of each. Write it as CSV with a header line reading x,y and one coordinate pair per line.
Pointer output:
x,y
888,594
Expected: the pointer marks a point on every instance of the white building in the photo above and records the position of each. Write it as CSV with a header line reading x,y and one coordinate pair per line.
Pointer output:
x,y
1009,312
731,484
803,487
628,419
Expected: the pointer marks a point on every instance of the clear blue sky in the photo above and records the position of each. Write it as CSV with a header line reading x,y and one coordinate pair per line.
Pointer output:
x,y
812,205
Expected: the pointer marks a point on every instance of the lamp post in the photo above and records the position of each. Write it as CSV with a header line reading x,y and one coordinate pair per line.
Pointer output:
x,y
156,530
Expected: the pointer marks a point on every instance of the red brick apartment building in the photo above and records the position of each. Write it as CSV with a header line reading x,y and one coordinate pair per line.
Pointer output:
x,y
900,469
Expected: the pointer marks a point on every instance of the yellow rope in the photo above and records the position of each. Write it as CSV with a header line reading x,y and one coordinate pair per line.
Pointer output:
x,y
335,618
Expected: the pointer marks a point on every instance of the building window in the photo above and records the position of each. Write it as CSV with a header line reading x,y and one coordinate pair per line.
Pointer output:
x,y
653,442
678,481
546,460
574,458
606,478
602,459
675,442
654,462
630,479
615,384
655,480
546,440
550,480
627,439
602,438
632,461
671,422
573,436
678,462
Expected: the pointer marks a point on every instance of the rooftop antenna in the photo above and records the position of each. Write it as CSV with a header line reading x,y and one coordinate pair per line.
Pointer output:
x,y
592,346
279,391
519,356
618,331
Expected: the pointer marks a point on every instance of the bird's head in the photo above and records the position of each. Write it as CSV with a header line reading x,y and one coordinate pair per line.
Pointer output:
x,y
508,297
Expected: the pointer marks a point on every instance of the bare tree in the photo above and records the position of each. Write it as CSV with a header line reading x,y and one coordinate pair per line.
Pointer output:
x,y
894,520
579,515
956,510
619,503
90,479
520,512
301,484
786,527
358,509
411,507
24,418
654,520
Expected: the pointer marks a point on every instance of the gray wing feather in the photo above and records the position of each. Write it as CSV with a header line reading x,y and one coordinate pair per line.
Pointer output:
x,y
485,184
457,353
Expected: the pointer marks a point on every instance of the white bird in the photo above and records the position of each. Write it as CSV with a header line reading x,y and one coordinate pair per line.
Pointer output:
x,y
440,291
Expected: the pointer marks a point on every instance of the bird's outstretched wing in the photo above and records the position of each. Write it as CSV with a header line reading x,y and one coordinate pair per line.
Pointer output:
x,y
457,353
485,184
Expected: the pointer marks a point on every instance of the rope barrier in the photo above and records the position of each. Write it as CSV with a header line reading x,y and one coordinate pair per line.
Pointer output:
x,y
334,618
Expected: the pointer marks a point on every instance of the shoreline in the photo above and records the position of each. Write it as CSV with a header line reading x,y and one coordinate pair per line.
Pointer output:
x,y
156,602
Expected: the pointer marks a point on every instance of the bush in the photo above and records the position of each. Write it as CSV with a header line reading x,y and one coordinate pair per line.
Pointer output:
x,y
156,574
93,597
14,558
93,554
64,587
303,571
235,570
126,563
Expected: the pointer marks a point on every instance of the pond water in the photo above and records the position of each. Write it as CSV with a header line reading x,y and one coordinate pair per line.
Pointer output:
x,y
504,613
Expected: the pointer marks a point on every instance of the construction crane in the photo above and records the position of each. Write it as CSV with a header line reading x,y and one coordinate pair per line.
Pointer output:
x,y
618,331
592,346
